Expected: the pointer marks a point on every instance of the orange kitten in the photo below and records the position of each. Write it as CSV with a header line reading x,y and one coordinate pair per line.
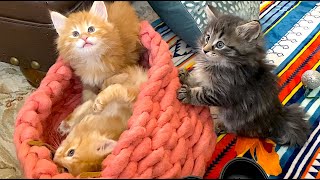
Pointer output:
x,y
99,43
92,139
95,131
103,48
94,127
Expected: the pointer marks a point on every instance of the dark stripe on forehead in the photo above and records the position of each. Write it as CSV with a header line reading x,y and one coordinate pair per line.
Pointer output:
x,y
211,33
221,34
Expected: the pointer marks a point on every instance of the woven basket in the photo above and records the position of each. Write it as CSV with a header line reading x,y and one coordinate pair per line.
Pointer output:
x,y
164,139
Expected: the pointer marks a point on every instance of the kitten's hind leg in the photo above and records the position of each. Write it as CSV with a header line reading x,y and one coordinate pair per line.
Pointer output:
x,y
114,92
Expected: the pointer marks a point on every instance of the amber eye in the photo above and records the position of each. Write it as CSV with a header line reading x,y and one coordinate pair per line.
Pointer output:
x,y
91,29
220,44
75,34
70,153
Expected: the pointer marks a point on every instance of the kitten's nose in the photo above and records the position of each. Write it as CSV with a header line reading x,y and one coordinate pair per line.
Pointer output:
x,y
84,37
205,51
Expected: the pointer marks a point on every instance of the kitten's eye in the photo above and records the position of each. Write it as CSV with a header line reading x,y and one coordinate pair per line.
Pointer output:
x,y
70,153
220,44
75,34
207,38
91,29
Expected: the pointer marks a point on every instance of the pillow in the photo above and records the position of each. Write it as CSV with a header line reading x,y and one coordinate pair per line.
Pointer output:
x,y
187,19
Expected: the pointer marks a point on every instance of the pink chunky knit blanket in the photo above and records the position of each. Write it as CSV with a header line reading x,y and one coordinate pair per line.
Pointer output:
x,y
164,139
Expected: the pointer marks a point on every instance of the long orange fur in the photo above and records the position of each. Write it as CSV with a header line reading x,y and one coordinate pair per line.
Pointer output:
x,y
111,77
95,131
120,46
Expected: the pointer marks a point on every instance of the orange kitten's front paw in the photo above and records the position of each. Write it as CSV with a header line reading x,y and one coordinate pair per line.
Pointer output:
x,y
98,105
64,128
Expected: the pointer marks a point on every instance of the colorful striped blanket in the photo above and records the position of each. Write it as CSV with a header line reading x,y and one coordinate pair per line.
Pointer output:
x,y
291,31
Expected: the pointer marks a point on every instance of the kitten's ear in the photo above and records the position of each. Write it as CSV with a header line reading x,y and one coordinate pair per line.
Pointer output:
x,y
58,21
98,8
212,13
249,31
105,146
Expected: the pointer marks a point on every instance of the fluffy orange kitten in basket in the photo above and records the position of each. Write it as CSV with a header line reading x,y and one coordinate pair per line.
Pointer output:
x,y
100,43
96,127
102,46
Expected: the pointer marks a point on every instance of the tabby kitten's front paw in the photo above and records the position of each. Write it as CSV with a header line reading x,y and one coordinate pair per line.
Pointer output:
x,y
183,94
183,76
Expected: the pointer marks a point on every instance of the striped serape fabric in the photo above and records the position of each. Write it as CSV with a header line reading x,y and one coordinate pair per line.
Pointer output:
x,y
291,31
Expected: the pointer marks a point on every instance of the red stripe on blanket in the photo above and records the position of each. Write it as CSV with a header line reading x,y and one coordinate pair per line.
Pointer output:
x,y
296,79
224,152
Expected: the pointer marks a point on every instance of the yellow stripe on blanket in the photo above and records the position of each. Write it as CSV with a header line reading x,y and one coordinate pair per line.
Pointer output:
x,y
293,92
299,54
282,18
264,4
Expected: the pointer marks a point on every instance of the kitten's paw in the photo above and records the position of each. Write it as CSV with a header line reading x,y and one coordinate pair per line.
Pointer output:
x,y
183,75
98,105
183,94
64,128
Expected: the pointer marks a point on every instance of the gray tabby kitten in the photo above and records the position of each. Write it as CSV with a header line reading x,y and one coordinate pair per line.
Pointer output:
x,y
230,73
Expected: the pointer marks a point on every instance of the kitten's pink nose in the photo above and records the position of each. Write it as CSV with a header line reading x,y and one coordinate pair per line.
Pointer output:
x,y
84,37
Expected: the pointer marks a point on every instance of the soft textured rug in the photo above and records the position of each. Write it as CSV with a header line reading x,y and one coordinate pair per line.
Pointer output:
x,y
292,38
13,90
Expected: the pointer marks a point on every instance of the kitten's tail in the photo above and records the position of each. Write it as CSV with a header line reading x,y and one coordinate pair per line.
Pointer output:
x,y
295,129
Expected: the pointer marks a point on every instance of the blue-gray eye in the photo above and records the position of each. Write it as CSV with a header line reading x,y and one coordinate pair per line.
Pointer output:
x,y
220,44
75,34
70,153
91,29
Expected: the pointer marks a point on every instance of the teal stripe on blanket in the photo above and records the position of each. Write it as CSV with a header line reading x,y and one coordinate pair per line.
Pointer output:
x,y
156,23
297,50
313,100
276,13
287,22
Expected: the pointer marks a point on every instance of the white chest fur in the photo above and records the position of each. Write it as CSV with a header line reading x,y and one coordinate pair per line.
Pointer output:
x,y
92,72
200,76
